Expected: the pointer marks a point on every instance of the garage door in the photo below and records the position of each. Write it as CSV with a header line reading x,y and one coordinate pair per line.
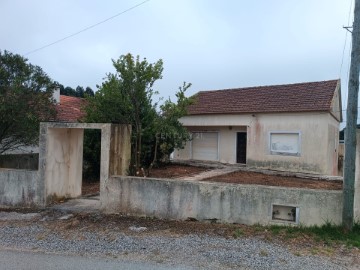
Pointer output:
x,y
205,146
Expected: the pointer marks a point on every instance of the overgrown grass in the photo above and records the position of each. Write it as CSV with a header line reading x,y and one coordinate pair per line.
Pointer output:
x,y
327,233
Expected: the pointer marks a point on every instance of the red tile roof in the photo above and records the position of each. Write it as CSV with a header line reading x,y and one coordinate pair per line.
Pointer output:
x,y
299,97
70,109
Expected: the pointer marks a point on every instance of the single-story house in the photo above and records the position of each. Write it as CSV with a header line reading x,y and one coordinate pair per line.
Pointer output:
x,y
292,127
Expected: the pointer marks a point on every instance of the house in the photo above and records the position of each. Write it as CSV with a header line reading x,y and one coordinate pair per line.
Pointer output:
x,y
292,127
68,109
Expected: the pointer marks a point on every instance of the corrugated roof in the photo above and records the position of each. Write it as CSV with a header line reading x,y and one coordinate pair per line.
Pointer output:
x,y
70,109
299,97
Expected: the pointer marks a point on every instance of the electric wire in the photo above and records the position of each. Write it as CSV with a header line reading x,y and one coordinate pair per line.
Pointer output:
x,y
85,29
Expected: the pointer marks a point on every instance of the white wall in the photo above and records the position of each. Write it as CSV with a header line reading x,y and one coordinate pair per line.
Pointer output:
x,y
318,146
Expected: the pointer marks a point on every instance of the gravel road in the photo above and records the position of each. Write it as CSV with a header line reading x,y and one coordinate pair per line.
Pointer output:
x,y
167,250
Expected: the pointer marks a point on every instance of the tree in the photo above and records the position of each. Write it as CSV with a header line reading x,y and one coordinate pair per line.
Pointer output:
x,y
69,91
170,134
127,97
25,101
80,91
89,91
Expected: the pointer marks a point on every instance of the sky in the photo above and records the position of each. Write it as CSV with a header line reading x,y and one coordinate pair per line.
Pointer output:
x,y
211,44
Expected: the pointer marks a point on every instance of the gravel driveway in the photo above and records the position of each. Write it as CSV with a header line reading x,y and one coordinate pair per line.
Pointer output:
x,y
50,233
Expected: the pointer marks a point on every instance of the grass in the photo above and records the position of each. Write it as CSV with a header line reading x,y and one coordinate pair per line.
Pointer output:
x,y
237,233
328,233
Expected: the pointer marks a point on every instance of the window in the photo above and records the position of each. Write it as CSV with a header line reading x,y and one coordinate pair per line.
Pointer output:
x,y
285,143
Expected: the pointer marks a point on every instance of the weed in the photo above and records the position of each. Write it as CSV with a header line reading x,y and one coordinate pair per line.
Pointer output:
x,y
327,234
237,233
276,229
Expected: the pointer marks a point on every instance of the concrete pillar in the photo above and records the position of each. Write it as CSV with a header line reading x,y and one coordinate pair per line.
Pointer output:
x,y
357,179
120,149
115,153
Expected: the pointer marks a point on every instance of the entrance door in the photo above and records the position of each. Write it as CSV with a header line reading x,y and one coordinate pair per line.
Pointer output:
x,y
241,148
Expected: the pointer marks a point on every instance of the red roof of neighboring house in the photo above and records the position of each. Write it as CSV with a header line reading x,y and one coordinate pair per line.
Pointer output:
x,y
299,97
70,109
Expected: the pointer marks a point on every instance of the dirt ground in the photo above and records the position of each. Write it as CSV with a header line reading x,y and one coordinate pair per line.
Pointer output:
x,y
175,171
167,171
242,177
90,188
299,243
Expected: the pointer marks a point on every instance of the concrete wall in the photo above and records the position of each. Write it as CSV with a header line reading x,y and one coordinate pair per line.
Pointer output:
x,y
246,204
318,145
60,164
19,188
64,162
61,152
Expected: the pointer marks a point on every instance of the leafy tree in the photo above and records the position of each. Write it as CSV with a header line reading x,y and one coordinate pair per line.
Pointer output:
x,y
69,91
89,91
25,101
80,91
170,134
127,97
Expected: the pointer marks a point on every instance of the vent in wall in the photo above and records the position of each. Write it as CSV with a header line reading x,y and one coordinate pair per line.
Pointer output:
x,y
285,213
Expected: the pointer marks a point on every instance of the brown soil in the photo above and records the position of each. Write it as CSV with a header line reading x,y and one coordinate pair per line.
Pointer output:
x,y
175,171
240,177
166,171
90,188
254,178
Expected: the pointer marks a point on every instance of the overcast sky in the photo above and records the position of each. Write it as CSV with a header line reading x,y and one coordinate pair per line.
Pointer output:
x,y
212,44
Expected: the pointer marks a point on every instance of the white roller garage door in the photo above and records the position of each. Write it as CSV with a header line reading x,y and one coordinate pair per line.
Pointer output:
x,y
205,146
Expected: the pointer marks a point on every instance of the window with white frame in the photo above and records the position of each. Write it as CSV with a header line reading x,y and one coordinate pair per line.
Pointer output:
x,y
285,143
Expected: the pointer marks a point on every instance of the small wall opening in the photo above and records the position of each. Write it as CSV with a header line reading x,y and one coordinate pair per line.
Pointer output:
x,y
26,161
285,213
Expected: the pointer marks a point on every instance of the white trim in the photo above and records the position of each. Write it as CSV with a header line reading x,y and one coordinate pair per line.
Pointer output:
x,y
271,152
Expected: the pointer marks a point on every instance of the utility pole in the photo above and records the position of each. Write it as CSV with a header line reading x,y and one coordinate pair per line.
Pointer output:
x,y
351,121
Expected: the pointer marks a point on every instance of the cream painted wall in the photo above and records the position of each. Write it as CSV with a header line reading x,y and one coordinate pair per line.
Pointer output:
x,y
226,142
314,134
318,139
336,104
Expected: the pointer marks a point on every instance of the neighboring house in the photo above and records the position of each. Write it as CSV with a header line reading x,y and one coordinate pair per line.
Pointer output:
x,y
293,127
68,109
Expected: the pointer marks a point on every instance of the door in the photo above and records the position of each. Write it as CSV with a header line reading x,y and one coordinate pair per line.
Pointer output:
x,y
205,146
241,147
